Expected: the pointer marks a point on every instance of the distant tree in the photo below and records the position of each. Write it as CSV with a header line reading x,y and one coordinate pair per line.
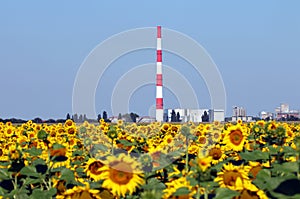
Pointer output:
x,y
205,117
68,116
37,120
99,117
178,117
84,117
133,116
119,116
173,116
104,114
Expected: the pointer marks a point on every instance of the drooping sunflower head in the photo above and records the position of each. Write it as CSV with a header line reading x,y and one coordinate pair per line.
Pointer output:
x,y
121,175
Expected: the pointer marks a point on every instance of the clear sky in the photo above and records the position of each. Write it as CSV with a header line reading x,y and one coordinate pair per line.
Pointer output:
x,y
255,44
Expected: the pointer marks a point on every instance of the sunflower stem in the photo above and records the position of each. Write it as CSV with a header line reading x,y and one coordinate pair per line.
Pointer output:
x,y
187,155
112,146
205,194
198,193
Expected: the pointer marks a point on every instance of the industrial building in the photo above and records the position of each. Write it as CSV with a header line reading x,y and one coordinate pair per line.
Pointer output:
x,y
195,115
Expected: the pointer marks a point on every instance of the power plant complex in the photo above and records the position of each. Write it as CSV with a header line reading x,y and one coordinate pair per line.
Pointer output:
x,y
186,114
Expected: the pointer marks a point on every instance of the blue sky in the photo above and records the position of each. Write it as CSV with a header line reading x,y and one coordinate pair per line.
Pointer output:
x,y
255,45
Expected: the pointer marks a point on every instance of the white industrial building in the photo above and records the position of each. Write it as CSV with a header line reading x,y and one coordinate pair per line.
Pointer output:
x,y
195,115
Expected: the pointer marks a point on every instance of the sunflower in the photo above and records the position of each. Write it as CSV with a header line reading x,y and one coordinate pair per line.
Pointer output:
x,y
250,191
121,175
233,177
14,153
79,192
204,162
217,154
247,194
93,167
180,183
235,137
9,131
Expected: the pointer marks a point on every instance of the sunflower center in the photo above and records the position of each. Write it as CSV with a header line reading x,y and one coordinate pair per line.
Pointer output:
x,y
71,131
94,167
236,137
202,140
216,135
254,171
181,197
215,153
85,195
121,173
246,194
230,177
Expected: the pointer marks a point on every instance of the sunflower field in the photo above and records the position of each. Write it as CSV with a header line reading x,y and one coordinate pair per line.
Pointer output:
x,y
150,161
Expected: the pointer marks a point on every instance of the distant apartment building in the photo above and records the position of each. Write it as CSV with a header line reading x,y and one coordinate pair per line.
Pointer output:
x,y
239,111
284,108
284,112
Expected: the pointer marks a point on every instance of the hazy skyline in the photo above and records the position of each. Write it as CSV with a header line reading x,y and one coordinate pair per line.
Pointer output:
x,y
255,46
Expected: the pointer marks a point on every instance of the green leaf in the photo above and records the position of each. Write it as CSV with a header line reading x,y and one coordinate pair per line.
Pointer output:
x,y
18,194
126,142
42,135
28,181
58,146
29,171
255,155
4,175
288,149
262,178
39,162
154,184
100,147
286,167
38,194
2,191
273,150
273,183
193,181
68,175
182,191
34,151
77,153
224,193
264,174
282,196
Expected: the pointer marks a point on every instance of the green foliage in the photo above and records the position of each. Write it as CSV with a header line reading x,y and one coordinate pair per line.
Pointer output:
x,y
224,193
254,155
42,134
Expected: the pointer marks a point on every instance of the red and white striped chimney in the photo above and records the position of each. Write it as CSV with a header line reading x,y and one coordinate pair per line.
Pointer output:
x,y
159,82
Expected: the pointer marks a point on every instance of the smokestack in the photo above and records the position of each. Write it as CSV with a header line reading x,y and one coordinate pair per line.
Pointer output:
x,y
159,82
